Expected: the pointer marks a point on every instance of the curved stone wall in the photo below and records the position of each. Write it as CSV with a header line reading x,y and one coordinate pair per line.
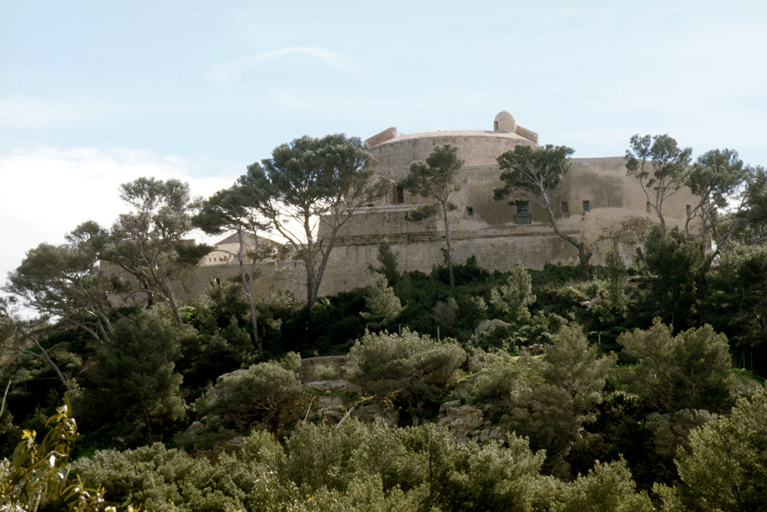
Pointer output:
x,y
474,148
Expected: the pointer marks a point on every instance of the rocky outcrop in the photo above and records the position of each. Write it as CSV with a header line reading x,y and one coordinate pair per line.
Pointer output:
x,y
468,423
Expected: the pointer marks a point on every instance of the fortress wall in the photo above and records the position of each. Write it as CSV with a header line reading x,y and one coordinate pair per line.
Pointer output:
x,y
617,215
288,276
348,265
394,157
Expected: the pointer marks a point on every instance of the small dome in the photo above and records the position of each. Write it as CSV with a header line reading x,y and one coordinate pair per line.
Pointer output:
x,y
504,122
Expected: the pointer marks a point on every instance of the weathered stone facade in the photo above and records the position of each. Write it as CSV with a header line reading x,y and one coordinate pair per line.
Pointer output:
x,y
598,204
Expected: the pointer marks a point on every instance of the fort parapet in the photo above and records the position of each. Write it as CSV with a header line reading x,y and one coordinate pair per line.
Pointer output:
x,y
598,204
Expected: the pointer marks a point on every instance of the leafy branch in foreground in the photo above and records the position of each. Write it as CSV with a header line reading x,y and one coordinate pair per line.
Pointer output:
x,y
38,473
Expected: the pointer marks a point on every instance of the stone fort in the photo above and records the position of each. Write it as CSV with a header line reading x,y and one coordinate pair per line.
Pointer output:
x,y
598,204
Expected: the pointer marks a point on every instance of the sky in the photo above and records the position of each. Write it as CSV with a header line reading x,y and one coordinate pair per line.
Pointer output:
x,y
98,93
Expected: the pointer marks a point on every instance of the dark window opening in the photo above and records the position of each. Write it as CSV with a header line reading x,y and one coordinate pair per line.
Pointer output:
x,y
564,208
469,211
523,212
585,206
688,210
398,195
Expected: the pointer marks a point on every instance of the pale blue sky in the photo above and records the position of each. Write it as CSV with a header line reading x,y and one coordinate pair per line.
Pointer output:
x,y
93,94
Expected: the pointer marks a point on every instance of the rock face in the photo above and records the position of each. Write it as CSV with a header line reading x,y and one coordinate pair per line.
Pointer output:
x,y
334,385
468,423
487,325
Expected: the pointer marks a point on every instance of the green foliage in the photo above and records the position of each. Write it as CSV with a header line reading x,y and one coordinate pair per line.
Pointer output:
x,y
437,179
608,487
752,219
548,401
467,273
236,209
247,396
532,172
388,260
737,299
471,310
445,313
504,373
39,473
64,281
514,297
575,366
726,466
613,308
218,342
310,179
383,305
554,275
716,179
416,369
418,293
671,262
135,396
426,464
170,480
385,363
147,243
660,166
536,174
689,370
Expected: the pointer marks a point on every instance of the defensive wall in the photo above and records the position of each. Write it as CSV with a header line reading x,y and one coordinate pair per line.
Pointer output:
x,y
597,204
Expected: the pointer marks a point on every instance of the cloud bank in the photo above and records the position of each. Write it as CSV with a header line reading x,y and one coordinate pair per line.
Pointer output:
x,y
47,192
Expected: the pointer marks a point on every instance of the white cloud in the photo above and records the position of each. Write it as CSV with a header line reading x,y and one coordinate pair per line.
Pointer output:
x,y
223,73
47,192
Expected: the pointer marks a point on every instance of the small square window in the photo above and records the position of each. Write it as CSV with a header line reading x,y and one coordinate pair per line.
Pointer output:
x,y
585,206
469,211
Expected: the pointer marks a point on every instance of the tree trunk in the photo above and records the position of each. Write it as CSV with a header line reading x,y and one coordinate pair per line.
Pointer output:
x,y
449,246
247,285
584,257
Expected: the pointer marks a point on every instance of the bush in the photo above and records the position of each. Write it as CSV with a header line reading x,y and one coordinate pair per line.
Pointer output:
x,y
415,369
726,467
385,363
690,370
169,480
513,298
247,396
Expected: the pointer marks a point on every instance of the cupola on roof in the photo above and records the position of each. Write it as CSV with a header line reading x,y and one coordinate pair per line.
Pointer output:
x,y
504,122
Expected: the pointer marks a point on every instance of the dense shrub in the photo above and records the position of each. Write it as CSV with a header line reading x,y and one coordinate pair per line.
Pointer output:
x,y
247,396
385,363
169,480
689,370
513,298
414,369
726,466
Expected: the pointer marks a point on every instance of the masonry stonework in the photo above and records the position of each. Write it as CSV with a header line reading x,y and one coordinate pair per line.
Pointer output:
x,y
598,204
